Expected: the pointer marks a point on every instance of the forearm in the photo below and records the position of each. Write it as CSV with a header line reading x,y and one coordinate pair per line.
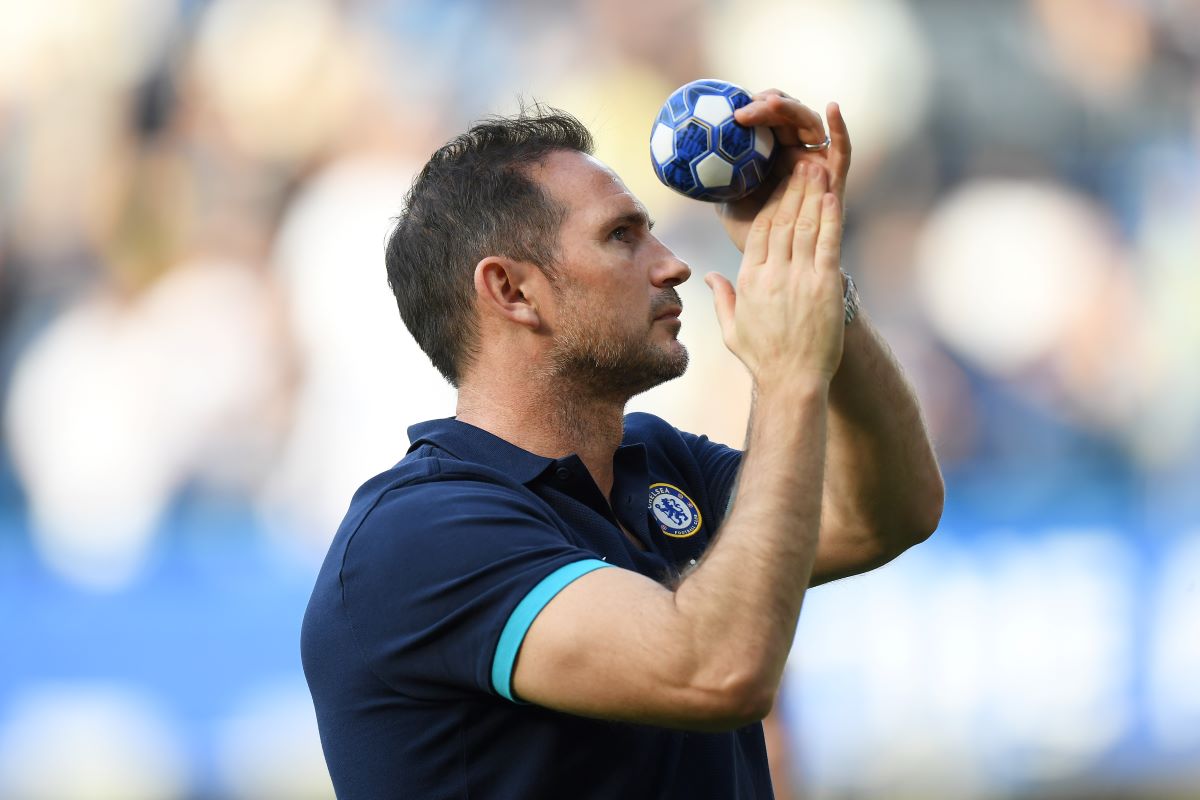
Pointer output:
x,y
743,600
882,480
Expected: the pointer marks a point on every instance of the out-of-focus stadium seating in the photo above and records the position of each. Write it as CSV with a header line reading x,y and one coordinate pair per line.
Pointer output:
x,y
200,360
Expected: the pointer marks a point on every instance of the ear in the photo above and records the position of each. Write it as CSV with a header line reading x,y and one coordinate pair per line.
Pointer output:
x,y
503,287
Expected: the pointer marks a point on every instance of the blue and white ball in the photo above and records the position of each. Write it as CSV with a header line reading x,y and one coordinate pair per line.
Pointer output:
x,y
700,151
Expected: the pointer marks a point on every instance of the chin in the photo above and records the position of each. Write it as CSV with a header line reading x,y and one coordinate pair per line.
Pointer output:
x,y
675,360
611,368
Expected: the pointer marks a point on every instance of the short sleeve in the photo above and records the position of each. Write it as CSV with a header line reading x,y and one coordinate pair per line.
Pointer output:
x,y
443,578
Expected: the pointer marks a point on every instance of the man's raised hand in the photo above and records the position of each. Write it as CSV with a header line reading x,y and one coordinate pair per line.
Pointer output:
x,y
785,320
794,125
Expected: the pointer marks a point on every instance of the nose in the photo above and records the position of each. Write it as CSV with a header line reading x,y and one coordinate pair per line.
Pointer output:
x,y
670,270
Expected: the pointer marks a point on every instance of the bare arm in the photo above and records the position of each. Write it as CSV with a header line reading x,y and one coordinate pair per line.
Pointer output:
x,y
710,654
883,488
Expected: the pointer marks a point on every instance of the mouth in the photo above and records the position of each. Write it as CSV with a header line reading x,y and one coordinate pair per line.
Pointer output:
x,y
670,312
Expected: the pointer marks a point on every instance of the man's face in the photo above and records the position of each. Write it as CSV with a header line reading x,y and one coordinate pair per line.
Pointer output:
x,y
615,320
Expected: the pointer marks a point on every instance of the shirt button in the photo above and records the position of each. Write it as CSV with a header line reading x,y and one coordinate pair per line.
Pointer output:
x,y
562,473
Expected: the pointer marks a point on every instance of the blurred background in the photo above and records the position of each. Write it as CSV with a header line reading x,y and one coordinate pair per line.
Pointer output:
x,y
200,361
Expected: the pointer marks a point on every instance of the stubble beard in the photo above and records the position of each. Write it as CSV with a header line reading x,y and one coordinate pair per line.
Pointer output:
x,y
595,360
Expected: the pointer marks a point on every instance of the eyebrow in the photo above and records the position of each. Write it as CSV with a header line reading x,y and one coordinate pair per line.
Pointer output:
x,y
637,218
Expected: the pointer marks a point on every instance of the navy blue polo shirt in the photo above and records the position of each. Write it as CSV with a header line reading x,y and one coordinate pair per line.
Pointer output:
x,y
431,583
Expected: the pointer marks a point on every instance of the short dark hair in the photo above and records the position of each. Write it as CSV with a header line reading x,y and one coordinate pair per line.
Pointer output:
x,y
473,199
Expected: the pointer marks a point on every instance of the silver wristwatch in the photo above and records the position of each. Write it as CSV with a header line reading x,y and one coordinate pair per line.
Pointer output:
x,y
850,301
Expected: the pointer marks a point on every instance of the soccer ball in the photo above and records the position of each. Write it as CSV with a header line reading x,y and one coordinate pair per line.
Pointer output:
x,y
700,151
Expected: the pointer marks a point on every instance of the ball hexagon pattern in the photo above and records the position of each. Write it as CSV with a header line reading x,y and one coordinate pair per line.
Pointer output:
x,y
699,149
736,140
714,171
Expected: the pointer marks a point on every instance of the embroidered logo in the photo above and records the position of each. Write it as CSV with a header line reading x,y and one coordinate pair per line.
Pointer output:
x,y
674,511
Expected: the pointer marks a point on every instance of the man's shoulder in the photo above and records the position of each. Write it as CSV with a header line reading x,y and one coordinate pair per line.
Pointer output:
x,y
659,435
426,473
425,485
645,428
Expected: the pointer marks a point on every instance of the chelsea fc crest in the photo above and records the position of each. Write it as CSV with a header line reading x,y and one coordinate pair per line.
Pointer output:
x,y
674,511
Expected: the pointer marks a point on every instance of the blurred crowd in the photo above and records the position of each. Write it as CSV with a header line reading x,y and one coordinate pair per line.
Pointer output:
x,y
194,197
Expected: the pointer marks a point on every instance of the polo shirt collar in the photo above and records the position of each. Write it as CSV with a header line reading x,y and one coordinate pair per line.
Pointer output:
x,y
469,443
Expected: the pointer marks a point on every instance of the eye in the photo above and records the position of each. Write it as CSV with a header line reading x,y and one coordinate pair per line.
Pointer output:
x,y
620,234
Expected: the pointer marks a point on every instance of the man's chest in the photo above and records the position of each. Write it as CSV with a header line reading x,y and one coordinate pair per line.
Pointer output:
x,y
656,527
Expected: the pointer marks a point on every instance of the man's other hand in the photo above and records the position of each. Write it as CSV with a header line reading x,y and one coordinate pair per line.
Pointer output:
x,y
794,125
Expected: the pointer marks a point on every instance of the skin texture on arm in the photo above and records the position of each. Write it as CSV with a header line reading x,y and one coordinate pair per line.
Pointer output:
x,y
883,488
710,654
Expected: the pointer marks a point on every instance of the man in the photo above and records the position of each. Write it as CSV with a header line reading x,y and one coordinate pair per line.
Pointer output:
x,y
535,602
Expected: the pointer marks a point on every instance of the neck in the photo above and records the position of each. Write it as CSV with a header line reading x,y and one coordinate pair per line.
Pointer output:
x,y
551,423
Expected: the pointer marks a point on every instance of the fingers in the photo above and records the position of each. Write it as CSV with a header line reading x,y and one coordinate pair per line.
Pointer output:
x,y
755,250
809,220
724,302
794,122
839,147
783,221
785,229
829,238
839,135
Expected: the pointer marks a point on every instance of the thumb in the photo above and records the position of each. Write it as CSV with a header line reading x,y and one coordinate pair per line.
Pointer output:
x,y
724,301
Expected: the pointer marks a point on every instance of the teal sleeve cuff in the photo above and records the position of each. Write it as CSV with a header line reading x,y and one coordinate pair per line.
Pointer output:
x,y
524,614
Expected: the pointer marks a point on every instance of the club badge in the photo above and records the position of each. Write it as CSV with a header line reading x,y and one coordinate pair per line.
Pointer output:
x,y
674,511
